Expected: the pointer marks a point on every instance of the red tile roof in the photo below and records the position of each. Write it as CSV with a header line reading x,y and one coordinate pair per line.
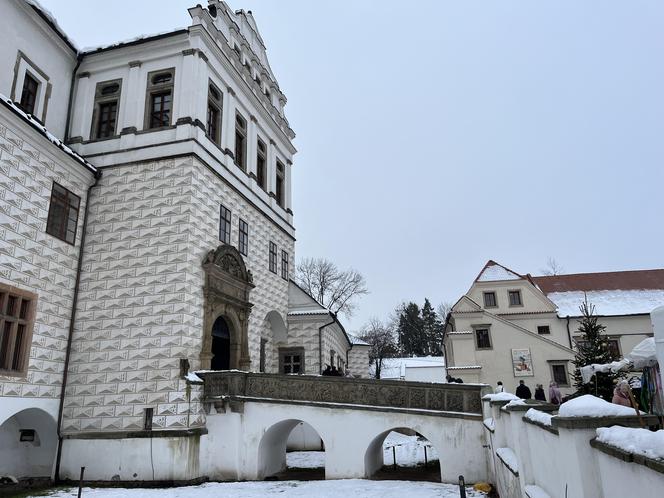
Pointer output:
x,y
614,280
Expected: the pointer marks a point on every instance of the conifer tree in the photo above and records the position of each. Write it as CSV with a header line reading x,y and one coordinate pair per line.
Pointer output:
x,y
593,347
410,331
432,330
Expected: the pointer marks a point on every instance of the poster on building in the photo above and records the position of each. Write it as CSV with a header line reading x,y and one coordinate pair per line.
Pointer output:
x,y
522,363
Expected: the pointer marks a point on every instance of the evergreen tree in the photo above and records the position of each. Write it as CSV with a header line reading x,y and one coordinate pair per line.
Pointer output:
x,y
432,330
593,347
410,331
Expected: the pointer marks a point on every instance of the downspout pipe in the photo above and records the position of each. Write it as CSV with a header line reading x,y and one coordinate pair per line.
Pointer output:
x,y
72,319
569,335
320,344
79,58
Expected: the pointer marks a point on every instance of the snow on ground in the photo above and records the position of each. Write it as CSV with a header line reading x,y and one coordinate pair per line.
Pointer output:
x,y
286,489
608,302
592,406
538,416
640,441
409,450
305,459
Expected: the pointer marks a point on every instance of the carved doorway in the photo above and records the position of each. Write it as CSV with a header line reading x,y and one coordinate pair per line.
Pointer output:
x,y
221,345
227,308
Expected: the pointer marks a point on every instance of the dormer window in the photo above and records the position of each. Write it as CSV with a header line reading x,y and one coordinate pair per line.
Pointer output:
x,y
159,102
515,298
104,116
490,300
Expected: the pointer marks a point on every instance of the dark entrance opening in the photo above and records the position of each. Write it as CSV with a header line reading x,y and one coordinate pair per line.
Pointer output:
x,y
221,345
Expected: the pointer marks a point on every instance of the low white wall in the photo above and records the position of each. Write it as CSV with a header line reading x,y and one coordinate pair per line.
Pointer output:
x,y
562,465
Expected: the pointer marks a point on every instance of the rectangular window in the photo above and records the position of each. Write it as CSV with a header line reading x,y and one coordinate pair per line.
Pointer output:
x,y
291,361
284,265
614,348
147,418
224,224
63,214
243,238
261,160
273,257
263,356
482,338
559,374
16,320
29,94
105,114
515,298
240,141
214,113
159,103
280,184
490,300
543,330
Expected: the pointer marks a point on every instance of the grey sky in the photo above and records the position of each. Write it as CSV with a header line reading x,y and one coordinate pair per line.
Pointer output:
x,y
435,135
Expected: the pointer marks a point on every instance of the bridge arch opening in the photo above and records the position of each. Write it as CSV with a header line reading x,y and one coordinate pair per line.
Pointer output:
x,y
291,450
402,453
29,442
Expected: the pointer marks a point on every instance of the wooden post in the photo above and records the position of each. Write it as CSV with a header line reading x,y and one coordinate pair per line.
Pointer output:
x,y
462,487
80,482
394,456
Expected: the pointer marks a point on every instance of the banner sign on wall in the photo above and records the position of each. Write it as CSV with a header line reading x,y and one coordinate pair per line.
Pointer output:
x,y
522,363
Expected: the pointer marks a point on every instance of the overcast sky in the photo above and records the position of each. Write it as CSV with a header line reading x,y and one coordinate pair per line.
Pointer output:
x,y
435,135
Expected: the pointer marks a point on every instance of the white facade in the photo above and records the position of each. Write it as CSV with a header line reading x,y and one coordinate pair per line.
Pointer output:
x,y
534,323
418,369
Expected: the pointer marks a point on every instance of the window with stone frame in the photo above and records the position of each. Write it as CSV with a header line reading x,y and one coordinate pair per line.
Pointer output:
x,y
543,329
214,114
243,238
559,373
291,360
17,315
279,188
490,299
105,114
482,338
284,265
261,161
224,224
515,298
28,100
159,102
240,141
62,220
273,258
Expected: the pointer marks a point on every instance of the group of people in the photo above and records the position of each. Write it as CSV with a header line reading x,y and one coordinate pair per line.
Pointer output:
x,y
333,371
523,392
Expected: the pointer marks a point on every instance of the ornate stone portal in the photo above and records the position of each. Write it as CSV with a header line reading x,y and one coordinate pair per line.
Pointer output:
x,y
226,292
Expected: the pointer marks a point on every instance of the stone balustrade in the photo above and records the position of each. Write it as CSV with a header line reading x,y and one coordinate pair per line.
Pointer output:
x,y
360,393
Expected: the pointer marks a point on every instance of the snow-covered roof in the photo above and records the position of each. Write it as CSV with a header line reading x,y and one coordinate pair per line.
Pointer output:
x,y
609,302
495,272
309,311
50,20
28,118
356,341
136,39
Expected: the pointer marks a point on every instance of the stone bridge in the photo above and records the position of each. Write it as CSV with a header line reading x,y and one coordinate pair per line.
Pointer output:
x,y
250,416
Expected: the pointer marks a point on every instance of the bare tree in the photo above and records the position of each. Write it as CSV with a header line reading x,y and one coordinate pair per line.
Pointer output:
x,y
383,343
333,288
443,309
552,267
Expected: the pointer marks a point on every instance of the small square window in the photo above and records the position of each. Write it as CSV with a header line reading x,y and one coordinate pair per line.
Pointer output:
x,y
543,330
490,300
62,218
515,298
559,374
482,338
291,361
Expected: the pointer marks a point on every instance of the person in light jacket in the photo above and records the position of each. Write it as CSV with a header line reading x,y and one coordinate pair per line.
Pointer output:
x,y
555,396
499,387
621,394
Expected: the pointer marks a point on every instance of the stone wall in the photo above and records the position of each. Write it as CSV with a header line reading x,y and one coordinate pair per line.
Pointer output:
x,y
32,260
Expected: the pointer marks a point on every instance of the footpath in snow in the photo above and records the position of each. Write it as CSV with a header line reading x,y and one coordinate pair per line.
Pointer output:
x,y
286,489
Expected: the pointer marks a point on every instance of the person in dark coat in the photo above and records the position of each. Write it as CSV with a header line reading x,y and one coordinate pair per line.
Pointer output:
x,y
327,371
539,393
523,391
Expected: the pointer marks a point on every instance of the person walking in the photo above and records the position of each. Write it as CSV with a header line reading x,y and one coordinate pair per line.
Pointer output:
x,y
555,396
499,387
523,391
539,393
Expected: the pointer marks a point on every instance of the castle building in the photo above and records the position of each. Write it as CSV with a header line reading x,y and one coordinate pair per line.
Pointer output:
x,y
147,230
510,327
